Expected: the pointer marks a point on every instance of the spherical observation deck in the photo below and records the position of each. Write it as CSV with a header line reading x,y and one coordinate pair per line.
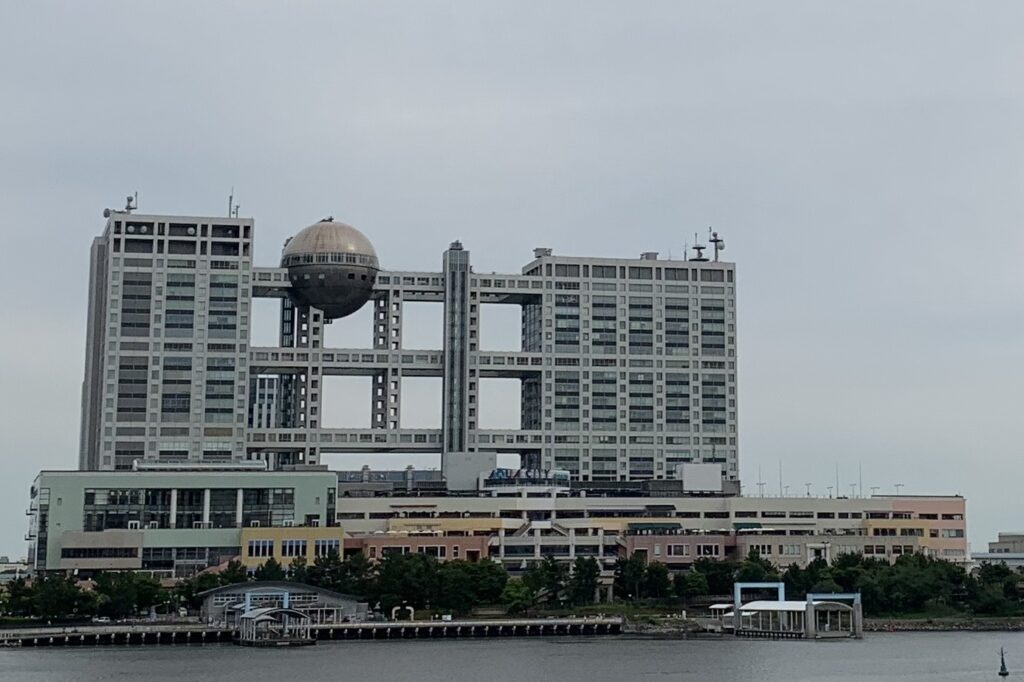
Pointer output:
x,y
331,266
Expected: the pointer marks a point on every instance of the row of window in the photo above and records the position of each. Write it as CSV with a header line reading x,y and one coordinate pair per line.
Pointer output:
x,y
292,548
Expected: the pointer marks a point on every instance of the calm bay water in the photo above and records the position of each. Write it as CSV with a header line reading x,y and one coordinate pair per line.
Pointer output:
x,y
902,656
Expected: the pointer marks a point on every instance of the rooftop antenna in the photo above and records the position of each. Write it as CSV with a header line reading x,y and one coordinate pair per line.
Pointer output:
x,y
860,476
699,248
760,482
780,477
717,243
232,206
686,251
837,479
131,203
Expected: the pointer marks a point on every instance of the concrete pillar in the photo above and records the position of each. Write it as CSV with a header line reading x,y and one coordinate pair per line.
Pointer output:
x,y
457,392
206,507
238,508
387,336
174,508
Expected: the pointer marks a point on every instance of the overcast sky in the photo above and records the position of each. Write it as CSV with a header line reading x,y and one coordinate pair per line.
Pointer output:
x,y
863,160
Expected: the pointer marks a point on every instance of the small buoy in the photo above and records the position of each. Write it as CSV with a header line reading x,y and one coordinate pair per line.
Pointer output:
x,y
1003,672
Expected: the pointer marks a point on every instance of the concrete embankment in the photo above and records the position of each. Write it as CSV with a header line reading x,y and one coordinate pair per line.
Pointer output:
x,y
943,624
676,627
140,634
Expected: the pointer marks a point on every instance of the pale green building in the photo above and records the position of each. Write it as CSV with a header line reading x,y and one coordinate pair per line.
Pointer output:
x,y
171,522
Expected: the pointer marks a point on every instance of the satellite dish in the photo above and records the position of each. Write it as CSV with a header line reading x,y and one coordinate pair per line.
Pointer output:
x,y
106,213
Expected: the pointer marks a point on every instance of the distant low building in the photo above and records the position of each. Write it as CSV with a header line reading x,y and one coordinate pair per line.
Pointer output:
x,y
1007,549
1008,543
12,570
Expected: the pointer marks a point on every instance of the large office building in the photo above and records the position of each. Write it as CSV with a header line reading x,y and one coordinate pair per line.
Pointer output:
x,y
167,342
627,366
197,447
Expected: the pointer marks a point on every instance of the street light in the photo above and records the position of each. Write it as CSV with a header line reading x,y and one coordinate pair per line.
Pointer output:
x,y
898,486
808,489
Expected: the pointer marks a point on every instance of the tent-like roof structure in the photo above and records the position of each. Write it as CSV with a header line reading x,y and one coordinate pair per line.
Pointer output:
x,y
269,586
270,613
790,605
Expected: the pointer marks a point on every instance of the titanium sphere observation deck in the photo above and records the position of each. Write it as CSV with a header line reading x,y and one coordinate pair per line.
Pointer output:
x,y
331,266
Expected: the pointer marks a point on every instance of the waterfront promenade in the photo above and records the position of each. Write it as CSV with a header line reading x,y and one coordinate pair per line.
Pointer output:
x,y
187,633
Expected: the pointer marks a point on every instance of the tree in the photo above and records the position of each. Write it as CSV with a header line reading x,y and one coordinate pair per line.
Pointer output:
x,y
517,597
123,594
721,575
490,578
356,575
58,597
458,587
271,569
298,571
754,569
547,579
584,581
233,573
19,598
327,571
629,576
691,584
657,583
405,579
186,591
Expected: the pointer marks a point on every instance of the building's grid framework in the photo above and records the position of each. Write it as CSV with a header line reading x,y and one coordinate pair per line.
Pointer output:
x,y
627,366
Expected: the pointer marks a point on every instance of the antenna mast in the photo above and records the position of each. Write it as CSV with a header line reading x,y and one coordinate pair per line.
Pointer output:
x,y
717,243
699,248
